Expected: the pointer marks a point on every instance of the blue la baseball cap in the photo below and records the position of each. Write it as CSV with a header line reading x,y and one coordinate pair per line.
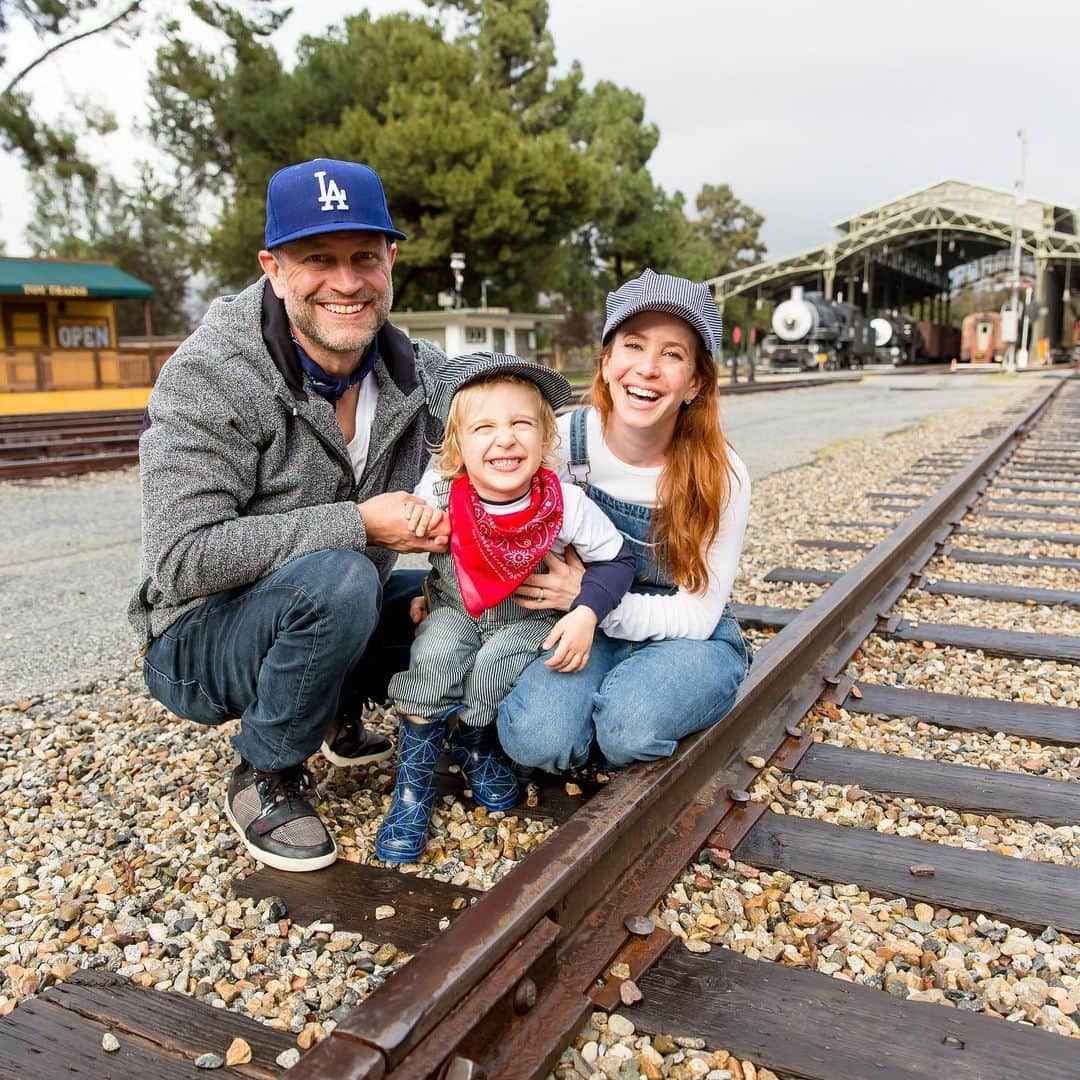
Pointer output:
x,y
325,195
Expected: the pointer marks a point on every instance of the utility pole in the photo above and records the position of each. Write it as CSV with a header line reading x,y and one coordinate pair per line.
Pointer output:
x,y
1010,326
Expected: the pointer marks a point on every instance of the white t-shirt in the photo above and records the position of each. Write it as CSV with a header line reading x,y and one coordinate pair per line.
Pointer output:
x,y
644,617
358,445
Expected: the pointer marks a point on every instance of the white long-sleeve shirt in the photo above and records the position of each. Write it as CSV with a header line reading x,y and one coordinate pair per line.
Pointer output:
x,y
584,524
644,617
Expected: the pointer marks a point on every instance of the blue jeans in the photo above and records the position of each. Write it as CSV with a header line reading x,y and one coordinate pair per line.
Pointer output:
x,y
634,699
284,653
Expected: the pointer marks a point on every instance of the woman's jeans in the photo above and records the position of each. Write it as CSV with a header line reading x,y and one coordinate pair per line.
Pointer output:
x,y
284,654
635,699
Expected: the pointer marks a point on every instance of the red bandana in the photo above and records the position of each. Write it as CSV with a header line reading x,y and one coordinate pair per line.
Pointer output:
x,y
494,555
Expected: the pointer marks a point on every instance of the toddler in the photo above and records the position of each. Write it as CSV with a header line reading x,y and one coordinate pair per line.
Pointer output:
x,y
507,510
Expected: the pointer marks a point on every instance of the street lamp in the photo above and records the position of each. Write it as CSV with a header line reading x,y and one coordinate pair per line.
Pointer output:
x,y
484,285
457,266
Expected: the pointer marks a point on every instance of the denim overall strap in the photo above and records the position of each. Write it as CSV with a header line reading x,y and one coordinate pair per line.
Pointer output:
x,y
579,448
633,520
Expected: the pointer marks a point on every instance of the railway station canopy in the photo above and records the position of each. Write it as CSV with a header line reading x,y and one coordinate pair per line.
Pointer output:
x,y
69,278
903,254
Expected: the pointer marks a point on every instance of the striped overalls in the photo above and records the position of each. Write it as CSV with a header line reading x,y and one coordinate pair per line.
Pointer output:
x,y
459,659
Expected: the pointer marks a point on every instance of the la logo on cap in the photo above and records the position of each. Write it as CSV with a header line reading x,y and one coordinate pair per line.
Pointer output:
x,y
332,197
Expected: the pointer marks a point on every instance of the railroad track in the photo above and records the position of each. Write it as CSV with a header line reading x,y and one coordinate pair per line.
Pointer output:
x,y
600,914
66,444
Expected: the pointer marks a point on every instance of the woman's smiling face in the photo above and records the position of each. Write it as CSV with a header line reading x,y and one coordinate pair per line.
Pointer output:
x,y
650,369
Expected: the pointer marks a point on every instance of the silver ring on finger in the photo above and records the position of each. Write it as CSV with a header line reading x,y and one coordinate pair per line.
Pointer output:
x,y
540,597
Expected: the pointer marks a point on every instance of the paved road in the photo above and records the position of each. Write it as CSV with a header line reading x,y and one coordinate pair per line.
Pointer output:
x,y
69,549
779,430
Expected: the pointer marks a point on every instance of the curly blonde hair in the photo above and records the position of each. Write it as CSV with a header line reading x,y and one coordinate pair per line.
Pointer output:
x,y
449,460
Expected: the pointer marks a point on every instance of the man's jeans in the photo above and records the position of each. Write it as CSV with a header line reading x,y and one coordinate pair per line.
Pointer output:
x,y
282,653
634,699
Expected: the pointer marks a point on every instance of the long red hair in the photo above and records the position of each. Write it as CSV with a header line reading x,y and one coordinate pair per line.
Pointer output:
x,y
695,482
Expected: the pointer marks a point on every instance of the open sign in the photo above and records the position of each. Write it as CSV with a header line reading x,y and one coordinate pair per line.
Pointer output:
x,y
85,333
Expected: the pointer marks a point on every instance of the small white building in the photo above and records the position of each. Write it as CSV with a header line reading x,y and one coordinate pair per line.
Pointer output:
x,y
462,330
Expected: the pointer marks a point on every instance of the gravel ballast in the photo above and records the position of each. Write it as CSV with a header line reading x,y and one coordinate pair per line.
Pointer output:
x,y
119,855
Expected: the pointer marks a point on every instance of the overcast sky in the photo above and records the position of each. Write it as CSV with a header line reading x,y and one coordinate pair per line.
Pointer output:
x,y
811,112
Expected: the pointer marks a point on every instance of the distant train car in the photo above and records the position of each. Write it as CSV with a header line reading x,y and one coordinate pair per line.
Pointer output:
x,y
901,340
895,338
981,338
937,341
810,332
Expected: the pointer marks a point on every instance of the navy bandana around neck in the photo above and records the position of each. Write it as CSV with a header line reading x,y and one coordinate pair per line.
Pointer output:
x,y
330,386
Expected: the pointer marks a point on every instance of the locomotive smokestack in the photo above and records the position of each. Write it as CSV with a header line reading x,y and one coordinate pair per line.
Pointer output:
x,y
796,292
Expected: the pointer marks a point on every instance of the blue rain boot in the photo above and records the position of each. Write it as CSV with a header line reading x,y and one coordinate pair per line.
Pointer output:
x,y
403,833
476,751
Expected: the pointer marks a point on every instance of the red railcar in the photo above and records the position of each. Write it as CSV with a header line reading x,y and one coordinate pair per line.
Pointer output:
x,y
981,340
937,341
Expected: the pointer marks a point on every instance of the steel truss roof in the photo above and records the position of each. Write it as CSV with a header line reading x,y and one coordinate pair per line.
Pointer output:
x,y
951,207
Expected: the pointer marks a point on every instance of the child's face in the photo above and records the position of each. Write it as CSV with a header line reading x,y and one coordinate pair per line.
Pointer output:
x,y
501,440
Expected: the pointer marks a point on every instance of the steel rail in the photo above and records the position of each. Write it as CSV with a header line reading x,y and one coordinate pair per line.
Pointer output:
x,y
619,847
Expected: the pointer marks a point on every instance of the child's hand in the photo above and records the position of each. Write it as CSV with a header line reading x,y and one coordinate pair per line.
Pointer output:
x,y
426,521
574,635
419,609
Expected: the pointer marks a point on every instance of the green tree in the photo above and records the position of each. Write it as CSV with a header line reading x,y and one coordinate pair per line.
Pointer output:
x,y
633,223
144,229
59,25
728,228
464,171
544,184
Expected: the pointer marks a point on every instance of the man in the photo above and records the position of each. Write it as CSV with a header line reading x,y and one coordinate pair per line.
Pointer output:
x,y
281,443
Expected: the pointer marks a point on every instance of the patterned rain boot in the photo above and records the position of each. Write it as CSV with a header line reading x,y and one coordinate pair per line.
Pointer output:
x,y
403,833
476,751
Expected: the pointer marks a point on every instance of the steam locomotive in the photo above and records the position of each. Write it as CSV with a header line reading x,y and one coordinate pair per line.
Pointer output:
x,y
810,332
900,340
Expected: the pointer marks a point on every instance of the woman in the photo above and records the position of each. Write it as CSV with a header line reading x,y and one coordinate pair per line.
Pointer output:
x,y
650,452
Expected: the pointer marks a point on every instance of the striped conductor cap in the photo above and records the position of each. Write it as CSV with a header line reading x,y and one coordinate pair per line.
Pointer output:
x,y
462,370
691,301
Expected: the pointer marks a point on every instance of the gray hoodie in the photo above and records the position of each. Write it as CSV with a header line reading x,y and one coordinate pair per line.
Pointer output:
x,y
243,470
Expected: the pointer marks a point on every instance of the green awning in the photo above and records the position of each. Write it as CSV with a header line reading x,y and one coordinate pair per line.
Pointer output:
x,y
63,278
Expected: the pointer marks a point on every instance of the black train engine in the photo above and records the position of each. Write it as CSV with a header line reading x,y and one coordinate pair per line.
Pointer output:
x,y
810,333
896,338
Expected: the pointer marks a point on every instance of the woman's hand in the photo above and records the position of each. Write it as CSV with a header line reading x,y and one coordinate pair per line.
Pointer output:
x,y
573,634
557,589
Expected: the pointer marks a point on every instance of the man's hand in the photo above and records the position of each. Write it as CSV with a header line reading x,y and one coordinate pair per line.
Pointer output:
x,y
574,635
387,520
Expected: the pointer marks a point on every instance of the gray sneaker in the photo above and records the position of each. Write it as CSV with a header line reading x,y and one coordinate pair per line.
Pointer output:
x,y
274,819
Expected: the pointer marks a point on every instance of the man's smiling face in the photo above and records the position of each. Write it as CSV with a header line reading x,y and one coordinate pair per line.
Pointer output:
x,y
337,290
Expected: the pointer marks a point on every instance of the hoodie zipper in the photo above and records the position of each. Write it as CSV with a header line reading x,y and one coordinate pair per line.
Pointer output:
x,y
342,459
